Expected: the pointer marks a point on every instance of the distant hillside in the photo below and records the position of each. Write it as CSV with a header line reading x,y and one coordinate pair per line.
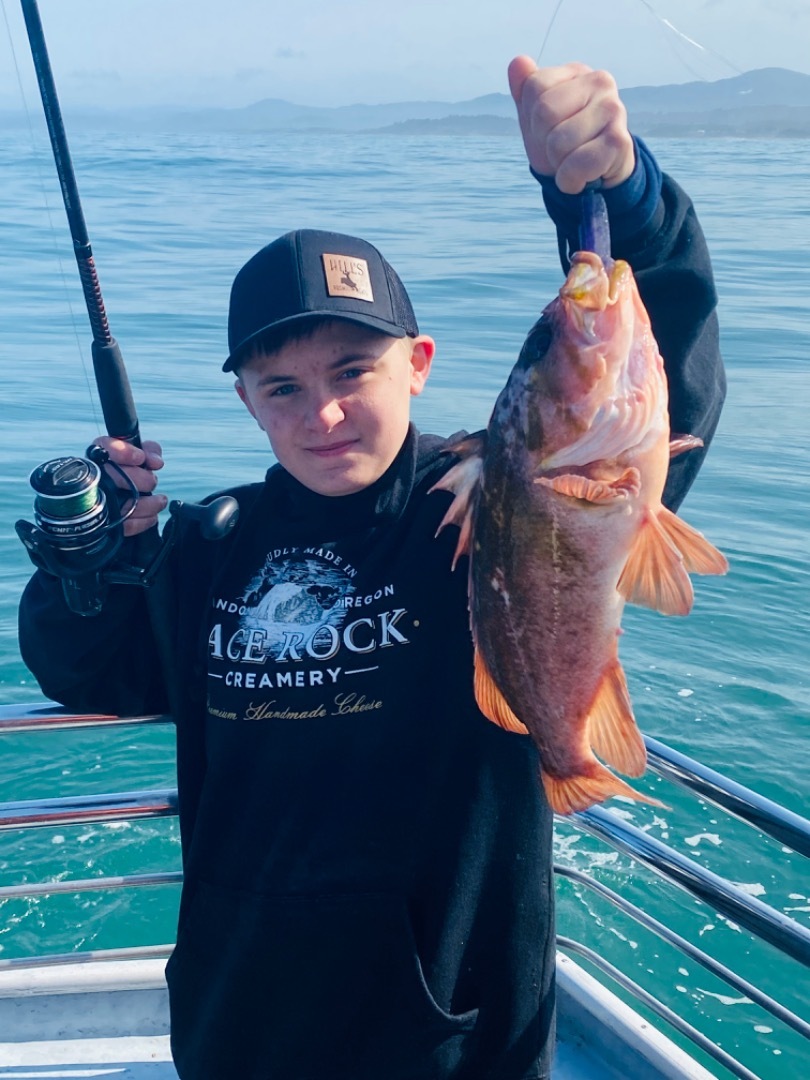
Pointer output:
x,y
760,122
768,102
766,86
274,114
453,125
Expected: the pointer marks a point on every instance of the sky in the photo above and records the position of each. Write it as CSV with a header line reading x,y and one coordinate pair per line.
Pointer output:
x,y
339,52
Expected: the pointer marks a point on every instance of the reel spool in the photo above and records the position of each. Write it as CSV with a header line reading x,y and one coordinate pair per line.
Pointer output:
x,y
70,506
77,527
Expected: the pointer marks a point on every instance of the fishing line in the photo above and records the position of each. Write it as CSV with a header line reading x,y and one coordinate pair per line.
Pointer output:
x,y
55,246
690,41
678,54
548,31
669,28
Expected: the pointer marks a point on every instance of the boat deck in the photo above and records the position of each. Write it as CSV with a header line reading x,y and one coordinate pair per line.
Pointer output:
x,y
69,1021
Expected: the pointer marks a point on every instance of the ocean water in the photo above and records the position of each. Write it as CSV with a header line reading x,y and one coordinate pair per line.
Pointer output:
x,y
171,219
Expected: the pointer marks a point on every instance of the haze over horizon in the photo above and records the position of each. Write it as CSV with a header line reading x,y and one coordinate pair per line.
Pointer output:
x,y
152,52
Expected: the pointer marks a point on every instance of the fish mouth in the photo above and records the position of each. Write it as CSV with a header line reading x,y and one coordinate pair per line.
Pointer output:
x,y
590,291
587,287
592,285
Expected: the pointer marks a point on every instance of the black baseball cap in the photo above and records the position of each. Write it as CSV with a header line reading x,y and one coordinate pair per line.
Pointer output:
x,y
310,273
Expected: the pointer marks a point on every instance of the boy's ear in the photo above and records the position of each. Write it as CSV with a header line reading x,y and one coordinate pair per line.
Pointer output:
x,y
422,353
240,390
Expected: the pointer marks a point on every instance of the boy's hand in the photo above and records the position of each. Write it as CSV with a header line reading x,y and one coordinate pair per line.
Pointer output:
x,y
573,122
140,464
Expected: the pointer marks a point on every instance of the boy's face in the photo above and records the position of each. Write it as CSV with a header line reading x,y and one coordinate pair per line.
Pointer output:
x,y
336,405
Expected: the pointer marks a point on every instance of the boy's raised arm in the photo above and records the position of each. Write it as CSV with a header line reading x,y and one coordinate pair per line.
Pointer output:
x,y
574,129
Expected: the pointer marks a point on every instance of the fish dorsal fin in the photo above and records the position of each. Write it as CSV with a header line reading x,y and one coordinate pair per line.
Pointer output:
x,y
570,793
491,701
625,486
612,729
699,556
679,444
654,575
462,480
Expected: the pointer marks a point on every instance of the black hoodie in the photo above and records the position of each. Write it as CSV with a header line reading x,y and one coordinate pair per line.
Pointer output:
x,y
368,891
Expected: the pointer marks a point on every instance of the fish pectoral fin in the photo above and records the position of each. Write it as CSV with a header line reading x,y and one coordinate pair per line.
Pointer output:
x,y
699,556
679,444
654,575
462,480
567,794
625,486
665,552
491,701
612,729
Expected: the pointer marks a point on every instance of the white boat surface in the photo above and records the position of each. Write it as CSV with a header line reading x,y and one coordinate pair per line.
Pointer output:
x,y
110,1018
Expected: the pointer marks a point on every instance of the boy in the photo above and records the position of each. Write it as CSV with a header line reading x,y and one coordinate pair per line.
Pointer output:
x,y
367,860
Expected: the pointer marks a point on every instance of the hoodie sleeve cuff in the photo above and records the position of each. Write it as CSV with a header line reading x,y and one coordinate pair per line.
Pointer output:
x,y
631,205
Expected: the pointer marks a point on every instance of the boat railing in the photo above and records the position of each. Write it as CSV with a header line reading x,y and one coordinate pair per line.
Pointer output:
x,y
760,919
763,814
46,716
735,1067
722,896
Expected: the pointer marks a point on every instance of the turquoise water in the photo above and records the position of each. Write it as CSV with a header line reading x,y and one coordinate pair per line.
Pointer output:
x,y
171,219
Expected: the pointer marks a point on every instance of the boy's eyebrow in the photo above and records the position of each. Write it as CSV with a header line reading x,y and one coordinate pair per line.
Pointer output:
x,y
271,378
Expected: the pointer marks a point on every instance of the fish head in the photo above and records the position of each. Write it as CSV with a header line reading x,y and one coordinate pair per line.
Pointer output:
x,y
589,384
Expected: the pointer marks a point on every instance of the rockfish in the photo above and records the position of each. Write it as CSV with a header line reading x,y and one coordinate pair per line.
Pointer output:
x,y
559,508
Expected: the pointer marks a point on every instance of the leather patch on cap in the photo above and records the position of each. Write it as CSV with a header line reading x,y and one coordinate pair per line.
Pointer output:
x,y
346,276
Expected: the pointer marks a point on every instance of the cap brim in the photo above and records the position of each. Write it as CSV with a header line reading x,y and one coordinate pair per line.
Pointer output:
x,y
387,328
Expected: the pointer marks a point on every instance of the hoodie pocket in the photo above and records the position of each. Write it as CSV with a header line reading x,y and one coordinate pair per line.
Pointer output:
x,y
306,988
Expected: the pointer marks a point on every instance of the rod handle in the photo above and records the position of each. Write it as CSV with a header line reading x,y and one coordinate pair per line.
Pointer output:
x,y
115,393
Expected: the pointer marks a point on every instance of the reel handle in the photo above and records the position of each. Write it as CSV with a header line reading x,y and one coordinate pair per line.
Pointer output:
x,y
214,520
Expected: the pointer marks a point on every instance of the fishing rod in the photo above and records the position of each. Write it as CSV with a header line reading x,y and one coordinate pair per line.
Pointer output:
x,y
112,381
78,528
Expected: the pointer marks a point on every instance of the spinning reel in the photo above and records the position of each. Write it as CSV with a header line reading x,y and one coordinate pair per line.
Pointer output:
x,y
77,534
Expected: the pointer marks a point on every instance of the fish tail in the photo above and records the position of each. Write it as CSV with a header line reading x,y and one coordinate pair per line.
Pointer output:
x,y
567,794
